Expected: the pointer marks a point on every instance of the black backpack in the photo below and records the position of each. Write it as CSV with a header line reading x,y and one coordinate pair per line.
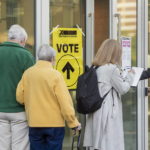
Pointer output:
x,y
87,93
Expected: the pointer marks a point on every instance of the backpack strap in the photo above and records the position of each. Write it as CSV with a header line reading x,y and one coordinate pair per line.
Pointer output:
x,y
96,67
113,96
107,93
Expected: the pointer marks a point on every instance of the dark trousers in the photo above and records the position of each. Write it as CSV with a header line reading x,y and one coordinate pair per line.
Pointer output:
x,y
46,138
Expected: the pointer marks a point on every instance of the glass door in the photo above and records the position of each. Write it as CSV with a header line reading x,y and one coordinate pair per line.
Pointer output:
x,y
127,11
67,14
124,21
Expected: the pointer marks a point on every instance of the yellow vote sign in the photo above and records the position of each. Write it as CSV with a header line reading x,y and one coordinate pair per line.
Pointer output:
x,y
69,57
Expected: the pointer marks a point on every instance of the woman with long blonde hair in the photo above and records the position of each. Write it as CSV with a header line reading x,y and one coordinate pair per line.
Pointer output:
x,y
104,127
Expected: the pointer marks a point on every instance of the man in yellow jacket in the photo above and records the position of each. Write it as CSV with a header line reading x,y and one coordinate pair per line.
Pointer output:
x,y
47,101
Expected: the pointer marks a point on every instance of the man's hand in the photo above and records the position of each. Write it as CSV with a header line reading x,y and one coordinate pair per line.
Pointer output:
x,y
76,130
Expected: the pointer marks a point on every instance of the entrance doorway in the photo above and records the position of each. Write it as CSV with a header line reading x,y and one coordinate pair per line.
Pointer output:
x,y
96,20
68,14
127,11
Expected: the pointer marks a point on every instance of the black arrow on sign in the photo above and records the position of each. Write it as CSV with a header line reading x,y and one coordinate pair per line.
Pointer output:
x,y
68,68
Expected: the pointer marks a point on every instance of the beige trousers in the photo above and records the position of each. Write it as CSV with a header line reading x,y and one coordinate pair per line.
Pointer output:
x,y
13,131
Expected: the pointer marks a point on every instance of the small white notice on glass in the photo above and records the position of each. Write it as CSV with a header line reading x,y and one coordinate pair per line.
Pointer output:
x,y
126,52
137,74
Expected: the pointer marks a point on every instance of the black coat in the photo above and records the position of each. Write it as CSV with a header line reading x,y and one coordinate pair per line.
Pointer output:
x,y
145,74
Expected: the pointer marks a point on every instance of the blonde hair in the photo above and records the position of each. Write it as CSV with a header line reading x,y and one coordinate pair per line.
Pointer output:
x,y
109,52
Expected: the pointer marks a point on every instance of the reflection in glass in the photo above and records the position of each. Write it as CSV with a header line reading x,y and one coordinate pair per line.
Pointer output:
x,y
68,14
127,10
17,12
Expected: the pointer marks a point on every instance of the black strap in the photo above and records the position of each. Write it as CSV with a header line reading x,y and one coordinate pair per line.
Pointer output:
x,y
113,89
113,96
96,67
106,94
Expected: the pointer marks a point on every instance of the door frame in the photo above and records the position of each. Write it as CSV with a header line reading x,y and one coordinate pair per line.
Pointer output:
x,y
112,19
89,31
142,47
42,31
142,51
42,27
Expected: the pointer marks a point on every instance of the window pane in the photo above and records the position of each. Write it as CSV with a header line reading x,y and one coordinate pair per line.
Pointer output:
x,y
127,10
17,12
68,14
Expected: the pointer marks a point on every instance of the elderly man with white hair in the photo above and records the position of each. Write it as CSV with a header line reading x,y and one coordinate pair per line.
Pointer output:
x,y
14,60
47,101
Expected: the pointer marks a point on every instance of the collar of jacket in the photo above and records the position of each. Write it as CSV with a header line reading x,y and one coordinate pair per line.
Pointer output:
x,y
12,44
43,63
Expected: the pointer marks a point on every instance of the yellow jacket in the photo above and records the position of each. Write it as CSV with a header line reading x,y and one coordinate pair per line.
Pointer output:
x,y
46,98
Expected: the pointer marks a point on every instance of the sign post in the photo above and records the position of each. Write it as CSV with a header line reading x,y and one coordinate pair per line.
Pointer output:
x,y
69,58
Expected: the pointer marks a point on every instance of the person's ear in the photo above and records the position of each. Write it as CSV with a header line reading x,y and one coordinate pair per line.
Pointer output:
x,y
53,61
22,43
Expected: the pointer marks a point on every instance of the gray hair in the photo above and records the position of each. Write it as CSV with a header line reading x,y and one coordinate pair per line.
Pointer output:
x,y
46,52
16,32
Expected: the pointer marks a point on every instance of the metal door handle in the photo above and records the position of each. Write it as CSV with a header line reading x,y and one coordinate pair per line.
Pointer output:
x,y
118,16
